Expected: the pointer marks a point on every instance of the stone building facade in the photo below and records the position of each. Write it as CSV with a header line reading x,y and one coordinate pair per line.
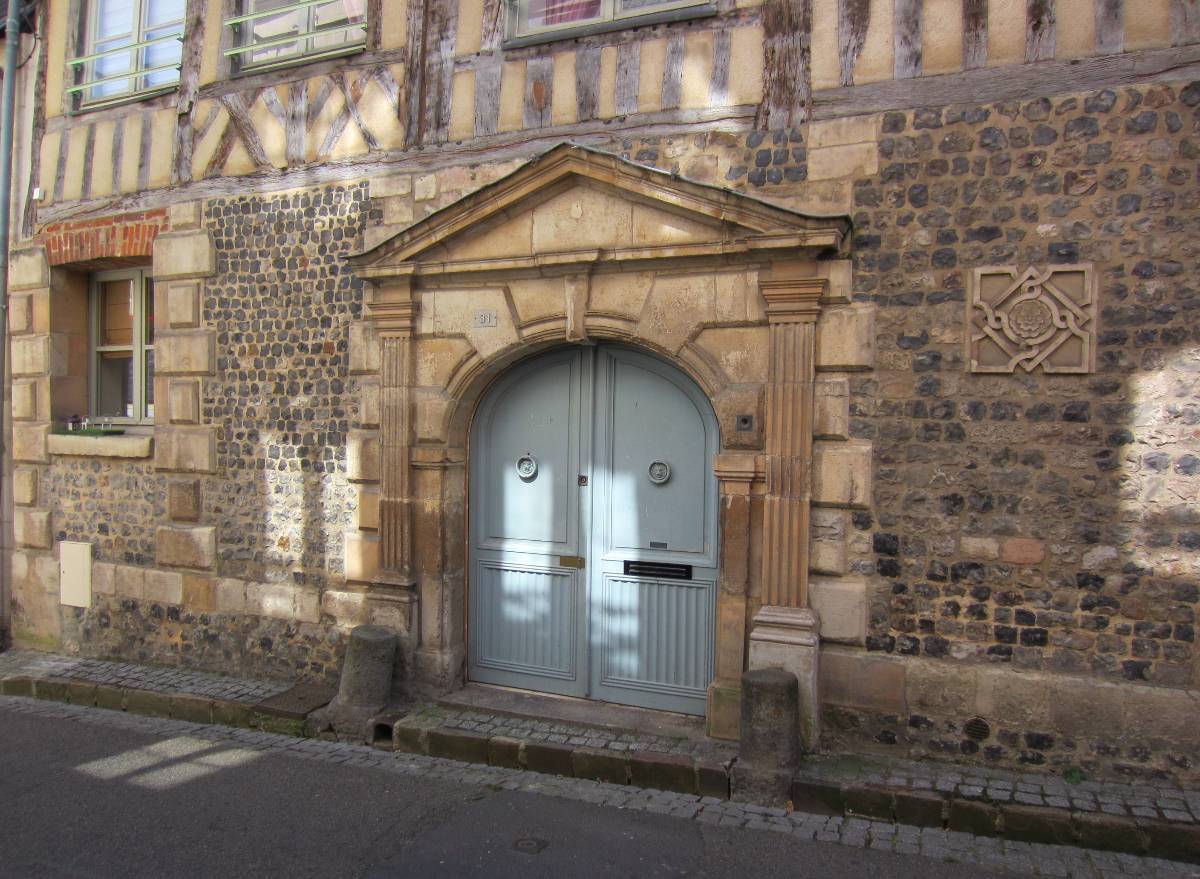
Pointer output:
x,y
933,263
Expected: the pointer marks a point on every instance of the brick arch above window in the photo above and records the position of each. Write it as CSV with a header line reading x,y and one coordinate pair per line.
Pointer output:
x,y
106,243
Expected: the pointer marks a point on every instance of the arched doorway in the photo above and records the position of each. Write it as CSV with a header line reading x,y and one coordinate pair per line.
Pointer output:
x,y
593,530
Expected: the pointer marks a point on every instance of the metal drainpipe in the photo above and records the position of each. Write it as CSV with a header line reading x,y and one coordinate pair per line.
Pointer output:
x,y
12,43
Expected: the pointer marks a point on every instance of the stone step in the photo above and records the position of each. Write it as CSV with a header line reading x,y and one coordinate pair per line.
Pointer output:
x,y
679,773
983,816
274,714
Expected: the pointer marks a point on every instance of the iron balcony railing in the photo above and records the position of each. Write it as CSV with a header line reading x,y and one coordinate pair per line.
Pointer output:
x,y
135,72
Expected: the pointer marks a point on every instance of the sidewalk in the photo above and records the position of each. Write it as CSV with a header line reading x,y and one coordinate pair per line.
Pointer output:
x,y
1135,819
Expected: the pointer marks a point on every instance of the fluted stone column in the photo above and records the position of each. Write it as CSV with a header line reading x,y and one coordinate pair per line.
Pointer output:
x,y
393,310
785,631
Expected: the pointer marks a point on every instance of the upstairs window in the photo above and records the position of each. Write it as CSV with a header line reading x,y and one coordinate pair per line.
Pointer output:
x,y
531,21
131,47
122,329
276,32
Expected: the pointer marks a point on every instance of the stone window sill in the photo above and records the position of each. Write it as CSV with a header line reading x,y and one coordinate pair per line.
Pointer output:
x,y
128,446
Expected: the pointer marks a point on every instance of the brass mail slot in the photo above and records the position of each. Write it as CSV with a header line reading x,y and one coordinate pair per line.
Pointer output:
x,y
570,561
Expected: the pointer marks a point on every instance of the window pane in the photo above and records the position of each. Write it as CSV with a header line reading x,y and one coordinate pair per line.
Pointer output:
x,y
160,12
547,13
115,25
307,20
114,18
116,313
114,384
148,380
273,27
337,14
148,311
160,55
640,6
111,65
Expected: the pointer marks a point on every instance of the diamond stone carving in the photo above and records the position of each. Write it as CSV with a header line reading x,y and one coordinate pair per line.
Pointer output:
x,y
1036,318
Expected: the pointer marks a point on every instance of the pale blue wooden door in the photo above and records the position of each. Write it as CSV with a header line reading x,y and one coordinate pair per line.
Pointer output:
x,y
600,457
528,610
654,535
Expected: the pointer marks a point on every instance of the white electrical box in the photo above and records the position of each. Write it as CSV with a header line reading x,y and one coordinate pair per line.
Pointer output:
x,y
75,573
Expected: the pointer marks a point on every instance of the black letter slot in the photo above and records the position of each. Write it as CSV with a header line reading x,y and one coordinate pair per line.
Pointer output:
x,y
663,570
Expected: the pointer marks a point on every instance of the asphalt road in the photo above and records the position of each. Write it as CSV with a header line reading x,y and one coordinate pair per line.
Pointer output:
x,y
79,798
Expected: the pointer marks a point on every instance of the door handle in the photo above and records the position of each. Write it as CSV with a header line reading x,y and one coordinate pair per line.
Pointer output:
x,y
570,561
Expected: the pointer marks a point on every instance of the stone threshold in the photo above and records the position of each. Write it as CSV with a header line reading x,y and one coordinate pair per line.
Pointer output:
x,y
519,704
1132,819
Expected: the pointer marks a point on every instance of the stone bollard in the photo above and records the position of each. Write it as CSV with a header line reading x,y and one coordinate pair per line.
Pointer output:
x,y
769,752
367,669
364,687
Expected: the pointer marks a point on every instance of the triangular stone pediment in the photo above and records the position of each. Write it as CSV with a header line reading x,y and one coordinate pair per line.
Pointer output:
x,y
576,205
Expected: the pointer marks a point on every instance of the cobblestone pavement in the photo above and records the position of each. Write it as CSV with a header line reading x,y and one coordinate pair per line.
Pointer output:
x,y
1024,859
999,786
575,735
140,677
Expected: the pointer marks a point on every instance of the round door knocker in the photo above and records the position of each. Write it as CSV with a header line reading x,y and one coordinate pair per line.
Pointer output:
x,y
527,467
659,472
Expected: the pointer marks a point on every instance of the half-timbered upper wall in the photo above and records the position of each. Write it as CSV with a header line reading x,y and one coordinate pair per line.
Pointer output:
x,y
438,72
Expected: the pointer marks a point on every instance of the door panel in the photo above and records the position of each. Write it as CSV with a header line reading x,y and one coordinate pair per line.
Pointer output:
x,y
526,610
652,636
646,494
649,629
654,423
537,416
526,619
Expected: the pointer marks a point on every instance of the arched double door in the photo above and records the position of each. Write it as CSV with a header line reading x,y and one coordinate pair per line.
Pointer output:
x,y
593,530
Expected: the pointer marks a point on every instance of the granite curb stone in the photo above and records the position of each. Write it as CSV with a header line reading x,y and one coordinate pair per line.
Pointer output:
x,y
600,765
549,757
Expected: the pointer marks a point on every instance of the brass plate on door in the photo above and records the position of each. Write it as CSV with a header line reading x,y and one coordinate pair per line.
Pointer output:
x,y
570,561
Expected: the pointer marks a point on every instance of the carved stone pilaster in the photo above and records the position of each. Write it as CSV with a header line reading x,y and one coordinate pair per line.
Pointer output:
x,y
394,309
792,310
786,632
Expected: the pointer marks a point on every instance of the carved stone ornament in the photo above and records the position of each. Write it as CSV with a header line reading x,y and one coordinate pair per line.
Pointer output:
x,y
1036,318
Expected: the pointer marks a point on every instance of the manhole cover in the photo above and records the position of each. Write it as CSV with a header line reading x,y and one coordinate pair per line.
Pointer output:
x,y
529,845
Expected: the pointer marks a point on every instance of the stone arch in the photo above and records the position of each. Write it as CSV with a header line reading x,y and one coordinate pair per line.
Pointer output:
x,y
472,382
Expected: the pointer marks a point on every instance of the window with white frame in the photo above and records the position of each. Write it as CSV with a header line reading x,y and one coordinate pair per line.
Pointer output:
x,y
130,47
122,346
273,32
531,19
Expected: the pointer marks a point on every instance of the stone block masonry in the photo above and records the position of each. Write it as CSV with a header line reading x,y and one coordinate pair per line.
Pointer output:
x,y
1019,549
